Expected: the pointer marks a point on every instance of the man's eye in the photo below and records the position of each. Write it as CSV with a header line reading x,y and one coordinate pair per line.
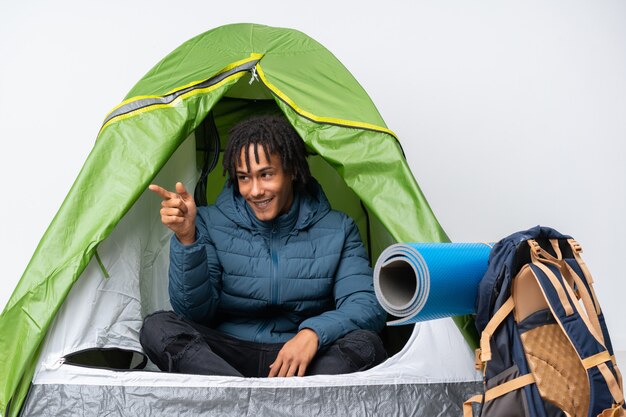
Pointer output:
x,y
267,175
242,178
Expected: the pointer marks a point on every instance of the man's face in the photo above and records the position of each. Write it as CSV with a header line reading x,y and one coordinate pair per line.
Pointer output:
x,y
266,187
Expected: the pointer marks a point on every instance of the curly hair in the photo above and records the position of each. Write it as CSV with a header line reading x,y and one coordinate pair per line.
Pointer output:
x,y
276,136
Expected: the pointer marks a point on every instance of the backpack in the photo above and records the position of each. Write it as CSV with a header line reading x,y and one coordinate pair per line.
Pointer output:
x,y
544,348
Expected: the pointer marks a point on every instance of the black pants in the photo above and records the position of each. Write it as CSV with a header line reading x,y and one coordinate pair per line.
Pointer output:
x,y
178,345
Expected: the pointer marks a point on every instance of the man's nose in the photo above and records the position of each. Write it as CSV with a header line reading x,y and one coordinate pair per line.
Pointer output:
x,y
257,188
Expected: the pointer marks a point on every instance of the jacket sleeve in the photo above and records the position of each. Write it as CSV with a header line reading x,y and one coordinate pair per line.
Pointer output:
x,y
195,275
355,299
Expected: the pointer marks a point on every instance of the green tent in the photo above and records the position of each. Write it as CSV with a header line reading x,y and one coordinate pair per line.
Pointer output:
x,y
191,97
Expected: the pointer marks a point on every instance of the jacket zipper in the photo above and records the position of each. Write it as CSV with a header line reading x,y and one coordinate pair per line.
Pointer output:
x,y
273,299
273,283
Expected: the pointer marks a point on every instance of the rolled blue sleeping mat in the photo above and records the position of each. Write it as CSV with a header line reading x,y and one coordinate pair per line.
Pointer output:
x,y
426,281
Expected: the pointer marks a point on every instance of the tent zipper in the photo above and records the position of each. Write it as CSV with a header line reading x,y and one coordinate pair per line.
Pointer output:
x,y
55,365
254,76
274,256
141,103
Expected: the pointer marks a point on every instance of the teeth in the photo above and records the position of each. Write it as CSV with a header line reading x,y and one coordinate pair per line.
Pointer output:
x,y
262,204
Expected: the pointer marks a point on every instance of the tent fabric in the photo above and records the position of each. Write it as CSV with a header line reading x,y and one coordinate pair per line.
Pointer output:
x,y
320,98
434,363
429,377
353,401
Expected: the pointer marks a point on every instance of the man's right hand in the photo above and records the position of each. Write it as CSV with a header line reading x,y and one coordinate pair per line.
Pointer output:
x,y
178,212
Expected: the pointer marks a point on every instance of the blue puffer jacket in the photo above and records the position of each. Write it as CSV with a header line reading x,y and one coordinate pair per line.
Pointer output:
x,y
265,281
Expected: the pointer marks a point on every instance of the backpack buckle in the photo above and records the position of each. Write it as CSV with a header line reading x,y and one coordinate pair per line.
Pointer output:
x,y
478,362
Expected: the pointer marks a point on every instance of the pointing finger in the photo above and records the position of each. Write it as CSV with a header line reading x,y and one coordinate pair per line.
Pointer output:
x,y
162,192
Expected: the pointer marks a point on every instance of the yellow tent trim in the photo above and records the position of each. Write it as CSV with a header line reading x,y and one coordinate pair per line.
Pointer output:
x,y
174,102
319,119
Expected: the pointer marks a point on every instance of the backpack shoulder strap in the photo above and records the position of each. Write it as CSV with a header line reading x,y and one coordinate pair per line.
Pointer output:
x,y
557,280
492,326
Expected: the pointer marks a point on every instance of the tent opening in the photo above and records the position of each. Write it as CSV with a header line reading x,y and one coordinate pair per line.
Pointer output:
x,y
139,245
246,99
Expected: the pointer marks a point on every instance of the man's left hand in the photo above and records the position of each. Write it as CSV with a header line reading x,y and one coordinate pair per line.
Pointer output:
x,y
296,355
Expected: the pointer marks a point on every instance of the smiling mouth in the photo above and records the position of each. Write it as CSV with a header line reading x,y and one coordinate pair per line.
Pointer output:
x,y
262,204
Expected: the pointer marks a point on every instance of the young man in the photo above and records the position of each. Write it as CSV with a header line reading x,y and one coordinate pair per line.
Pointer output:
x,y
269,281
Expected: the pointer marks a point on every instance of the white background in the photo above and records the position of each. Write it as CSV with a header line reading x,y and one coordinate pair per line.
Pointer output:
x,y
511,114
